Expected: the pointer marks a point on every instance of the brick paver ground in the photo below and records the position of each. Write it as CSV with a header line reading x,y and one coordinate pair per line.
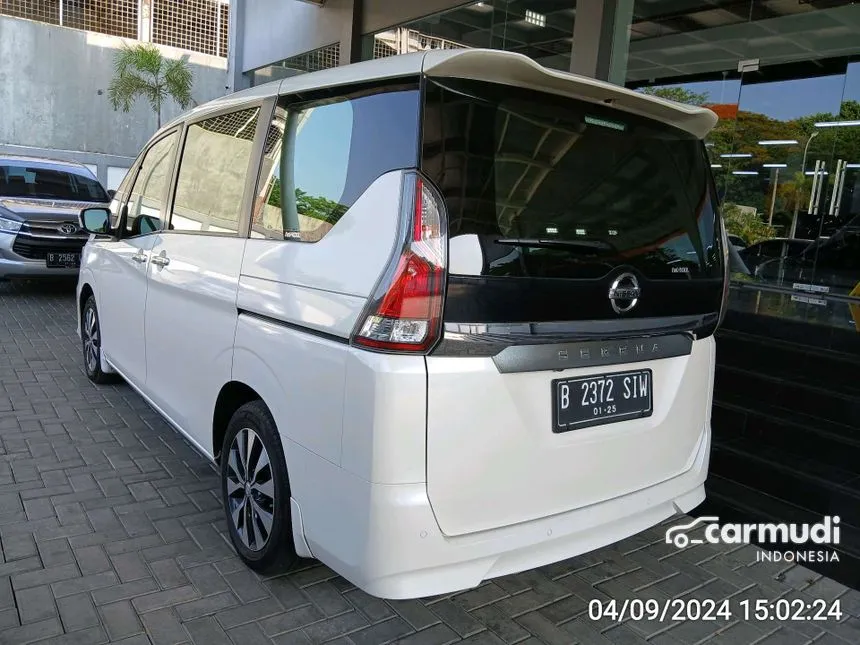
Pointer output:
x,y
111,531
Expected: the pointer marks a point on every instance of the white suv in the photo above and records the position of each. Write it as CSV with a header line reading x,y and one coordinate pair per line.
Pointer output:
x,y
438,317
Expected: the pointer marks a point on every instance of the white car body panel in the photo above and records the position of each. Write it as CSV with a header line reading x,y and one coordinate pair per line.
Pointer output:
x,y
122,287
475,460
365,234
190,325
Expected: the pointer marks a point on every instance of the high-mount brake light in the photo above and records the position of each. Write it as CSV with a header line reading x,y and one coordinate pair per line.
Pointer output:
x,y
405,314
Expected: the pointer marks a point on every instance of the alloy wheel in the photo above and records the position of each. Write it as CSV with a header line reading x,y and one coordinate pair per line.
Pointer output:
x,y
92,339
250,489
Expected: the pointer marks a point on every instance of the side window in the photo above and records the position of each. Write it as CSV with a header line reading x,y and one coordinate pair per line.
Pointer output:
x,y
212,173
147,194
319,158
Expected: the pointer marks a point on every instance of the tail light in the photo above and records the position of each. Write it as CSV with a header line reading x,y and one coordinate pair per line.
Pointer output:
x,y
405,313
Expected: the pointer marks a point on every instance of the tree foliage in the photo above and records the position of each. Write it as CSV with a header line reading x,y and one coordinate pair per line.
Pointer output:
x,y
746,224
320,208
678,94
140,71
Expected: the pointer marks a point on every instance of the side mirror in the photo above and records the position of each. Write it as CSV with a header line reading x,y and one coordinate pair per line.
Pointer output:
x,y
111,193
95,220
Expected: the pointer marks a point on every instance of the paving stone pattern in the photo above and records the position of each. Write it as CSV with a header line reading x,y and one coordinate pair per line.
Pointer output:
x,y
112,531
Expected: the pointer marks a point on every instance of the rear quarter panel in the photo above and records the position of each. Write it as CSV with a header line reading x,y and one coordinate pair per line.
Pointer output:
x,y
298,304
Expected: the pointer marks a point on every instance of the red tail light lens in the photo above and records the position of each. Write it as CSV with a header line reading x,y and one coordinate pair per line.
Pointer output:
x,y
405,314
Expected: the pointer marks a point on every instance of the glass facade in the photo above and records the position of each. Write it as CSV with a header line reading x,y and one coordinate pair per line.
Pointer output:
x,y
784,77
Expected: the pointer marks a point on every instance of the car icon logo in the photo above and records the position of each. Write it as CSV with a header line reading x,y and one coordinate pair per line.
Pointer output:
x,y
677,535
68,229
624,293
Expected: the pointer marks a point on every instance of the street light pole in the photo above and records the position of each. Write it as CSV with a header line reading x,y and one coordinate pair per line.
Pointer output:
x,y
797,192
773,198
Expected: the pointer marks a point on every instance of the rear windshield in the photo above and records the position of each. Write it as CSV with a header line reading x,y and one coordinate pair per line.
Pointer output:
x,y
39,182
559,188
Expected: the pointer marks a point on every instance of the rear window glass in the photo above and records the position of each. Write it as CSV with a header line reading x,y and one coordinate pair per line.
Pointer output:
x,y
39,182
551,187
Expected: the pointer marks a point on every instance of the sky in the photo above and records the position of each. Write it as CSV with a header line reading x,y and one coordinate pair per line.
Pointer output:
x,y
323,154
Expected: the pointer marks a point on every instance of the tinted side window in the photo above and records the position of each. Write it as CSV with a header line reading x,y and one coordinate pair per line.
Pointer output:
x,y
212,173
149,191
320,157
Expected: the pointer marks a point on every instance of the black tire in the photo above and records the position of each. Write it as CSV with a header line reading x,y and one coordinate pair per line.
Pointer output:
x,y
260,526
91,346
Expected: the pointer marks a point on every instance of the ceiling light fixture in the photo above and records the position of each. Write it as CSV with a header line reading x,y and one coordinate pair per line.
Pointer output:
x,y
744,172
837,124
716,165
774,165
737,155
535,18
778,142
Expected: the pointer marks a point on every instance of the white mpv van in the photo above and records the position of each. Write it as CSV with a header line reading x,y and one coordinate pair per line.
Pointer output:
x,y
438,317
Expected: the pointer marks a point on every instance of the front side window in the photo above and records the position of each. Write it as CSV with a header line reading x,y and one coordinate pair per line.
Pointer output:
x,y
40,181
212,173
145,206
320,157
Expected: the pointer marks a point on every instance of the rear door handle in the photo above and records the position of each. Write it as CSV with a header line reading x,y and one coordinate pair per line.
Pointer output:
x,y
161,260
139,257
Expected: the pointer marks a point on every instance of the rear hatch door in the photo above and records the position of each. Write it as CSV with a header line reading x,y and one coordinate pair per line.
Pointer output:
x,y
585,256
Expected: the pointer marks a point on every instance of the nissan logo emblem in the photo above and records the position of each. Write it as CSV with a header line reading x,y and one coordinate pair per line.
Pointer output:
x,y
624,293
68,229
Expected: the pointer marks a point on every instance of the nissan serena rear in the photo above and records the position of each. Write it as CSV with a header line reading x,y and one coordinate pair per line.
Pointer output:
x,y
459,321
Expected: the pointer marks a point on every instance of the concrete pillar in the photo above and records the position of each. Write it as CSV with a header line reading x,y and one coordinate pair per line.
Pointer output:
x,y
601,38
236,80
350,37
144,21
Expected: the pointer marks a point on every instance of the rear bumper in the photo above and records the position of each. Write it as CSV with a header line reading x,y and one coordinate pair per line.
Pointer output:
x,y
13,265
385,538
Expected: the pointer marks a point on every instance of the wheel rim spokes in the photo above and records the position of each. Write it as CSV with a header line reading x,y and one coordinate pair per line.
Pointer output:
x,y
250,489
91,340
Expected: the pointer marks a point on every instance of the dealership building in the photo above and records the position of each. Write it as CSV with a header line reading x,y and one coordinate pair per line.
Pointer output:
x,y
784,77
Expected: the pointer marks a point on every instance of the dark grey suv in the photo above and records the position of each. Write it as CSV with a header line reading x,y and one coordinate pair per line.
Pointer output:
x,y
40,200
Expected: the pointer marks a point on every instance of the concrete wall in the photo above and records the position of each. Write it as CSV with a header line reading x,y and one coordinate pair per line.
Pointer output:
x,y
53,93
272,30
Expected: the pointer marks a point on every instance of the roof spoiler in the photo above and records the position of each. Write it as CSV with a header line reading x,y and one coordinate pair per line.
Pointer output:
x,y
510,68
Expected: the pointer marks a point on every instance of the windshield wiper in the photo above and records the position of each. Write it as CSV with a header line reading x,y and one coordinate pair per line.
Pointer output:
x,y
585,245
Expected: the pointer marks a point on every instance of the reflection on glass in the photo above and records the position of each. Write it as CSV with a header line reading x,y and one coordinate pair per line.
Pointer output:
x,y
541,30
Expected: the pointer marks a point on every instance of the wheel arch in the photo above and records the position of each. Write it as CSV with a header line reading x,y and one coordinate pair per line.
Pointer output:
x,y
233,395
86,291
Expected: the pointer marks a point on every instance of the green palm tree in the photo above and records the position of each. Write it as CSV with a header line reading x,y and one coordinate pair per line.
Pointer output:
x,y
141,71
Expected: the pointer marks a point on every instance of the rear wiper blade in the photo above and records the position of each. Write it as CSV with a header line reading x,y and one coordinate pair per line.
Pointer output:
x,y
591,245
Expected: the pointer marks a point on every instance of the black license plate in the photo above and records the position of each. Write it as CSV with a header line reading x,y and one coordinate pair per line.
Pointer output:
x,y
601,399
63,260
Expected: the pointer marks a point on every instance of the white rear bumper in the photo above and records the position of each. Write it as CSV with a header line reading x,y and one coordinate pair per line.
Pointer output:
x,y
386,540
